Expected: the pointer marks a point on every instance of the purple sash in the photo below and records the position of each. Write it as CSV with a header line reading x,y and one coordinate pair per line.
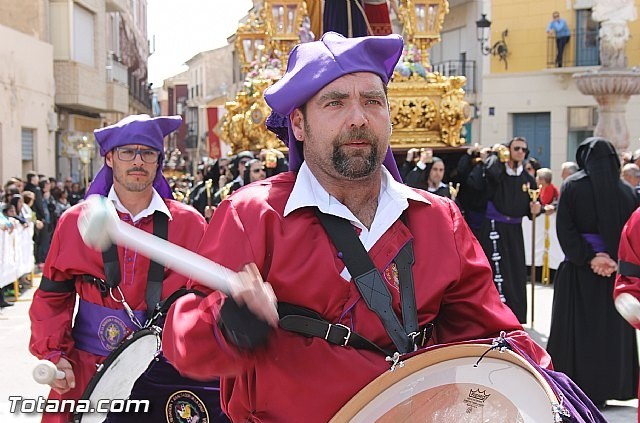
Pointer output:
x,y
99,329
596,242
494,214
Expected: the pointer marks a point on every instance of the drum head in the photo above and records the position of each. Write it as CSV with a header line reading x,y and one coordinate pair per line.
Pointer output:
x,y
442,385
120,370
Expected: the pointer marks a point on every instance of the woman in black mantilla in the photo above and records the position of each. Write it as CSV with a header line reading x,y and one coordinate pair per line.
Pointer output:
x,y
589,340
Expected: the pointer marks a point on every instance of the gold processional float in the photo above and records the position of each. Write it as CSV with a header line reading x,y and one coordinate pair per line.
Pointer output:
x,y
427,108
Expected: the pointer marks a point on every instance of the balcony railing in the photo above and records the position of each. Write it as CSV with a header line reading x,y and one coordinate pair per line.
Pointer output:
x,y
138,90
466,68
116,71
581,50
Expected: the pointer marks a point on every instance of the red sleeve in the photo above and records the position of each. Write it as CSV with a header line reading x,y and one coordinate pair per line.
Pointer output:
x,y
191,339
471,307
629,251
51,313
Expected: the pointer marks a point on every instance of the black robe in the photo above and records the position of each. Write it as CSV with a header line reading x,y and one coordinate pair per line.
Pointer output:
x,y
474,193
589,340
506,193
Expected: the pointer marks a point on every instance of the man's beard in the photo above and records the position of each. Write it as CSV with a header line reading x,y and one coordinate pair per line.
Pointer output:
x,y
133,186
358,165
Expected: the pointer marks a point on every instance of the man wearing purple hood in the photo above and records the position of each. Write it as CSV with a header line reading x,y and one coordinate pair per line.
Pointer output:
x,y
326,250
132,179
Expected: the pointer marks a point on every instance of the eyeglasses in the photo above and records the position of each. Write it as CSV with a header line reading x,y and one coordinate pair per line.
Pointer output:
x,y
258,170
518,148
129,154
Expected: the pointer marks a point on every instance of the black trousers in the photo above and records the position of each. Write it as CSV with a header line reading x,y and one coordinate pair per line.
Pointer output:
x,y
561,42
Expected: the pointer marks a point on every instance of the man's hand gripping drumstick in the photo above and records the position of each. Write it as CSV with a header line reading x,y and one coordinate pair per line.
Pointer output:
x,y
100,226
59,376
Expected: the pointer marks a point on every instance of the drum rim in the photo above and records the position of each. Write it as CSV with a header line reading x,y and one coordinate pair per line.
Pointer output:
x,y
420,361
128,340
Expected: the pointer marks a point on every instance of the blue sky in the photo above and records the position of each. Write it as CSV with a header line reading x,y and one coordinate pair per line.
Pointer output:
x,y
183,28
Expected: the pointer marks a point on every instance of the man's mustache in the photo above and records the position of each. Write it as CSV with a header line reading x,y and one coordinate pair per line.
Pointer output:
x,y
138,169
356,134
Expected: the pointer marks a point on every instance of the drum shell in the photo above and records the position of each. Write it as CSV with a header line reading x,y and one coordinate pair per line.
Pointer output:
x,y
467,401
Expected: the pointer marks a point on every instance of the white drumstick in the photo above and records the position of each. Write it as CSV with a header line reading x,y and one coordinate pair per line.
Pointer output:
x,y
629,307
45,372
99,226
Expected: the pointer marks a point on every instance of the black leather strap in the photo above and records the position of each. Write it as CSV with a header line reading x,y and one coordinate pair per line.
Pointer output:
x,y
367,278
47,285
404,261
336,334
112,273
626,268
156,270
307,322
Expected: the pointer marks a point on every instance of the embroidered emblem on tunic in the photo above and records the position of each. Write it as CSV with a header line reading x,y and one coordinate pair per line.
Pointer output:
x,y
391,275
186,407
111,332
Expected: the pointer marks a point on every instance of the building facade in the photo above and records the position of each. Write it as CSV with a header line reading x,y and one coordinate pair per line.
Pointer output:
x,y
91,58
529,95
27,88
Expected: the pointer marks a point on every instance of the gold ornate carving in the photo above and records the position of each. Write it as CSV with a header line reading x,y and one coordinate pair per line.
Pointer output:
x,y
243,126
427,111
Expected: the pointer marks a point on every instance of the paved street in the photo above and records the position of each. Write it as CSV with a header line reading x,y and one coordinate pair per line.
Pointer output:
x,y
18,363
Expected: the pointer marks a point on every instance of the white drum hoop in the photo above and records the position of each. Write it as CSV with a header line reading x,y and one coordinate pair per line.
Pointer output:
x,y
443,385
115,377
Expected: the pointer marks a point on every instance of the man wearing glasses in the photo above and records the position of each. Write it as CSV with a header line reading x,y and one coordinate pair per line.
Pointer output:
x,y
106,283
501,233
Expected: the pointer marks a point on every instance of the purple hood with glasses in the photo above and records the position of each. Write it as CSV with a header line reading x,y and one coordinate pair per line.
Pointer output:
x,y
136,130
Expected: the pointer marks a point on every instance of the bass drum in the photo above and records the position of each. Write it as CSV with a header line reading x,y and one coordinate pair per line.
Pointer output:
x,y
444,385
117,374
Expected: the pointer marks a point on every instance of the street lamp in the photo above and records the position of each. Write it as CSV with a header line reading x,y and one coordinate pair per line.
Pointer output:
x,y
85,154
251,39
483,28
422,22
283,19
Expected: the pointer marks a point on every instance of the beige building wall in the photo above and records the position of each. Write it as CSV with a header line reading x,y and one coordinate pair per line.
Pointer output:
x,y
27,16
26,101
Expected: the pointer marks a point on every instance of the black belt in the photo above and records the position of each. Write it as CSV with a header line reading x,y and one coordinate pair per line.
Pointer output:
x,y
626,268
309,323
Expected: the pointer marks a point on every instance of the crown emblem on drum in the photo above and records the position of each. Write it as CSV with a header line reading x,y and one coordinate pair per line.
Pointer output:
x,y
478,394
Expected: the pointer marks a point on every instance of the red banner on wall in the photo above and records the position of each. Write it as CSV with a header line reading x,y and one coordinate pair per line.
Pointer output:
x,y
214,141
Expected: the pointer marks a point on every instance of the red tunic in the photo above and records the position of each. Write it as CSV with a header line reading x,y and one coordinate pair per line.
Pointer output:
x,y
69,258
294,378
629,251
548,194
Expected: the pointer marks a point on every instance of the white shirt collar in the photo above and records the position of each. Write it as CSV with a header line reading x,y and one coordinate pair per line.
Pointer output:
x,y
442,184
156,204
393,200
516,172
